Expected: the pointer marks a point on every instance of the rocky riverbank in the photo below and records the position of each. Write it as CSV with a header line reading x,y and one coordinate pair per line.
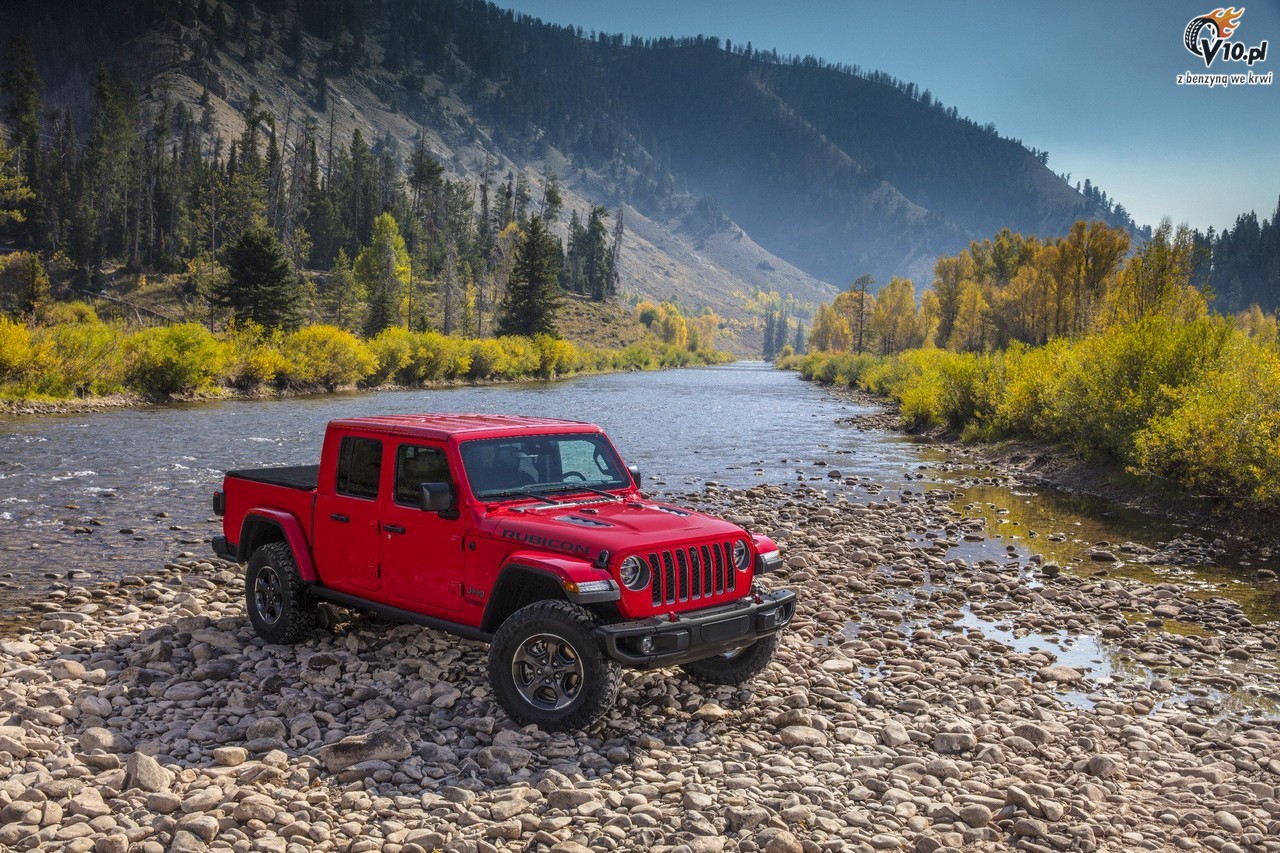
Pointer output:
x,y
910,708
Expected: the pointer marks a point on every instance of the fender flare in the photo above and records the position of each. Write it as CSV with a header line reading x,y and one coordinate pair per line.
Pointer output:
x,y
290,528
566,573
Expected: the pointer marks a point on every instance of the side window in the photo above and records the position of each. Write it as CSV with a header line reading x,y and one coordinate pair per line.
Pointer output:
x,y
359,466
416,465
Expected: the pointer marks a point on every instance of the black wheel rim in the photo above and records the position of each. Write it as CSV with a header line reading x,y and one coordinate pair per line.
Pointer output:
x,y
268,598
547,671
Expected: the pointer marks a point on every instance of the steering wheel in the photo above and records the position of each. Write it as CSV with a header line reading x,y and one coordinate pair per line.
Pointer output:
x,y
567,474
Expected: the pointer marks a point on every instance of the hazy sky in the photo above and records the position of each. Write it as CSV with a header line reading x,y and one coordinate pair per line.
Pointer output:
x,y
1093,82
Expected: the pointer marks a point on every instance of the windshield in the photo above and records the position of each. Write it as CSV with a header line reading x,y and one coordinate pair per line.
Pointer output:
x,y
535,465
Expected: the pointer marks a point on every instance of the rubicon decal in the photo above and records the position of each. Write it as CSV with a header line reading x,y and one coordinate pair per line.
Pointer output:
x,y
547,542
1207,36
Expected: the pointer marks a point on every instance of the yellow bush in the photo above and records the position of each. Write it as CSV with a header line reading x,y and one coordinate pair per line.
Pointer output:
x,y
438,357
488,360
557,357
254,356
393,350
1222,438
173,359
16,352
327,356
523,356
81,358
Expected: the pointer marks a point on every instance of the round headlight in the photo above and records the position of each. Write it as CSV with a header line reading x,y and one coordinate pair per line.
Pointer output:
x,y
741,555
634,573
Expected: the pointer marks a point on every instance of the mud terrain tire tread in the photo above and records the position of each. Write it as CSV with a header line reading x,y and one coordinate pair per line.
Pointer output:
x,y
298,610
602,676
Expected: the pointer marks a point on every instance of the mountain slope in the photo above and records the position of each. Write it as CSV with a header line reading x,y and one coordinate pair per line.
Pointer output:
x,y
736,169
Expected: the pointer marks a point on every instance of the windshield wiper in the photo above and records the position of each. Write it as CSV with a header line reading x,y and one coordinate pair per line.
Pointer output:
x,y
577,487
519,493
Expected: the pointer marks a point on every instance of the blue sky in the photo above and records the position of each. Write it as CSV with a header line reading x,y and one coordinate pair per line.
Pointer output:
x,y
1091,82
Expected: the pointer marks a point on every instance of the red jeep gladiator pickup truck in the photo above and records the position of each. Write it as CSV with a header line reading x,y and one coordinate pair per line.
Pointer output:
x,y
526,533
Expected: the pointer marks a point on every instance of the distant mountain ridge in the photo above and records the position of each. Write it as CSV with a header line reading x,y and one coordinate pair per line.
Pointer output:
x,y
737,169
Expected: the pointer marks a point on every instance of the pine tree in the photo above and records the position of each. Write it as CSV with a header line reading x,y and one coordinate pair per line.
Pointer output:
x,y
595,260
533,299
21,86
261,285
383,268
799,343
14,192
780,327
766,348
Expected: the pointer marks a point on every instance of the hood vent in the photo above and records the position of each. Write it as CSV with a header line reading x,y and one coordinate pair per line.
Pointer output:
x,y
585,522
669,509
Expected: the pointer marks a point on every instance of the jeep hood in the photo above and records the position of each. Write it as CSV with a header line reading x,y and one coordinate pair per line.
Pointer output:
x,y
588,528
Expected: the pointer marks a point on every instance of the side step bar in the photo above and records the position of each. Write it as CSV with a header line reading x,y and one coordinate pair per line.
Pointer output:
x,y
399,615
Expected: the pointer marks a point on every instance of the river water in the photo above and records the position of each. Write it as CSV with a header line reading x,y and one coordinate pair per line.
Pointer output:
x,y
93,497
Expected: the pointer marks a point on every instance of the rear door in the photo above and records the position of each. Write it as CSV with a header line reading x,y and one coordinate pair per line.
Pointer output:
x,y
422,556
346,535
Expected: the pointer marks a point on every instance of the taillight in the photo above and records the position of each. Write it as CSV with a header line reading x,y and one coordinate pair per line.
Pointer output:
x,y
219,503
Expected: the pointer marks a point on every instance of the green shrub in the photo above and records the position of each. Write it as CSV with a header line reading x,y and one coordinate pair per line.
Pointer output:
x,y
173,359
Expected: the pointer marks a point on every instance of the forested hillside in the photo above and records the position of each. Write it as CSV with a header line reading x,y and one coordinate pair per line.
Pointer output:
x,y
738,171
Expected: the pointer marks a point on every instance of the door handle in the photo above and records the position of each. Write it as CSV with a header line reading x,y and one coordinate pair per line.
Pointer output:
x,y
393,528
337,516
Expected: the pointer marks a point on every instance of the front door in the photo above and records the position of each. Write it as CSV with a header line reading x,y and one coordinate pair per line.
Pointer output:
x,y
422,553
346,536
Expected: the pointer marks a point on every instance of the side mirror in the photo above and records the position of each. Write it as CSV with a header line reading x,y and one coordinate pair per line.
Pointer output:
x,y
436,497
635,474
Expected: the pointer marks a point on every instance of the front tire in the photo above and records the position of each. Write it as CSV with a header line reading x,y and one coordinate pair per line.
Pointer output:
x,y
734,667
279,605
546,668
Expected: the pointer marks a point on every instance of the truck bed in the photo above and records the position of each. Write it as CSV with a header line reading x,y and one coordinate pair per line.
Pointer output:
x,y
301,477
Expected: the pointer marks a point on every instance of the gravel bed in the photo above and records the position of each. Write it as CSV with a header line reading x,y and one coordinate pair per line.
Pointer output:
x,y
910,707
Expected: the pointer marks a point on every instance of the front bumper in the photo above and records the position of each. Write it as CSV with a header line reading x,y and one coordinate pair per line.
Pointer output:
x,y
664,641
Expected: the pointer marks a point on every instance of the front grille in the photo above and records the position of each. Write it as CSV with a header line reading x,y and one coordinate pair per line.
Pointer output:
x,y
692,573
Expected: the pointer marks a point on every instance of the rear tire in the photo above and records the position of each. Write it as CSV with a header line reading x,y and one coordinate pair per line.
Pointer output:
x,y
735,667
279,605
547,668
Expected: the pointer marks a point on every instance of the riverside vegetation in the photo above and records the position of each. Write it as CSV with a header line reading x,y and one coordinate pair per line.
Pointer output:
x,y
1069,343
85,357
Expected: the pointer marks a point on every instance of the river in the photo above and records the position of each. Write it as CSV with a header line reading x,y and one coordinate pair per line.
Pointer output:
x,y
94,497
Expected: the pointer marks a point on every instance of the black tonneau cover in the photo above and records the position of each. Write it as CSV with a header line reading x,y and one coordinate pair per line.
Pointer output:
x,y
302,477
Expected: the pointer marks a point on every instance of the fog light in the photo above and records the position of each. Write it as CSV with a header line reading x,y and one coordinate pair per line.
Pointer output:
x,y
646,645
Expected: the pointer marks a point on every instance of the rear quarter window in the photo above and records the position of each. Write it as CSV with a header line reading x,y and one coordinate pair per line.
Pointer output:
x,y
359,467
